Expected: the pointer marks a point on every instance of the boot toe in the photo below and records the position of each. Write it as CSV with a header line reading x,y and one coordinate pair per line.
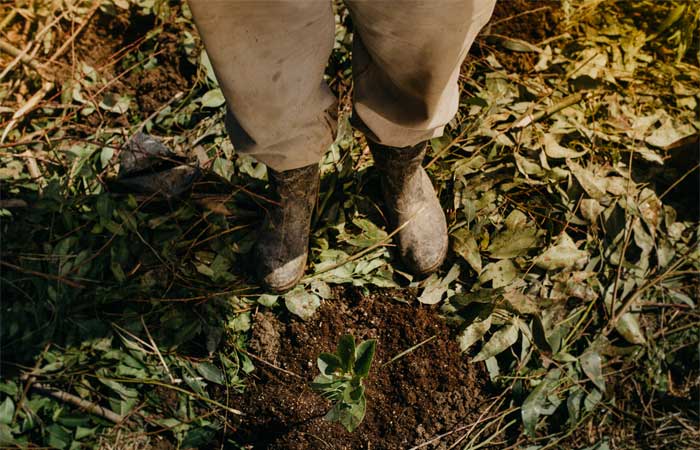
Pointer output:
x,y
424,242
283,277
424,253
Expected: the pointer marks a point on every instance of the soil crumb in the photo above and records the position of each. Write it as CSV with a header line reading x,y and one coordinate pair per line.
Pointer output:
x,y
531,21
430,391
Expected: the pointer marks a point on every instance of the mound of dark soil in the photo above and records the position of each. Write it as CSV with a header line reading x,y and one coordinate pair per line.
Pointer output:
x,y
528,20
430,391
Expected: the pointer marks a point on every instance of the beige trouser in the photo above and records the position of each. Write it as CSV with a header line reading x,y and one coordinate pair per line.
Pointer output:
x,y
269,57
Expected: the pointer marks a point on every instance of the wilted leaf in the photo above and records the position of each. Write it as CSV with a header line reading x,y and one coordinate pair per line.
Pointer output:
x,y
562,255
500,341
628,326
268,300
500,273
592,399
519,45
118,104
435,287
213,98
555,151
371,234
464,244
7,411
515,219
348,415
301,303
593,184
210,373
573,405
591,365
520,302
650,208
590,209
669,133
475,331
511,243
209,69
537,403
527,167
539,335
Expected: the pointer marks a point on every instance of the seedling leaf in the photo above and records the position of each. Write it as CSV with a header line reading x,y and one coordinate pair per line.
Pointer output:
x,y
341,377
328,363
346,352
363,357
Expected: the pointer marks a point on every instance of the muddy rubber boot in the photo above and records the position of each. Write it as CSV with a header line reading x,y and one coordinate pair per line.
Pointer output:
x,y
283,245
410,199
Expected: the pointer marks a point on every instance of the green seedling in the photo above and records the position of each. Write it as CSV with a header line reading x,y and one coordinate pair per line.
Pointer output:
x,y
341,378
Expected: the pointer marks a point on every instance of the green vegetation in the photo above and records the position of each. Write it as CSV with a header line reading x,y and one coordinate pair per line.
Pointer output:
x,y
569,177
341,378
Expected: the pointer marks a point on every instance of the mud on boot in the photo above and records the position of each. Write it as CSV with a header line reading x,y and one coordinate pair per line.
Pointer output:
x,y
411,203
283,245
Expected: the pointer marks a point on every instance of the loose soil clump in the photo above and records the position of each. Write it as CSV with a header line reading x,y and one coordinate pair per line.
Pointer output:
x,y
531,21
429,391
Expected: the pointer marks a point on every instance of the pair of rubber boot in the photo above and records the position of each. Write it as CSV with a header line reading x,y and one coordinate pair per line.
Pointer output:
x,y
410,203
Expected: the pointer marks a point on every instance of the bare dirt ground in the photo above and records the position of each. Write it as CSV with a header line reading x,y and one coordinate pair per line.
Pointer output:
x,y
430,391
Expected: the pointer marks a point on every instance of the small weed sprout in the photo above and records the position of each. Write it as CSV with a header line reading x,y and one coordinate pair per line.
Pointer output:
x,y
341,378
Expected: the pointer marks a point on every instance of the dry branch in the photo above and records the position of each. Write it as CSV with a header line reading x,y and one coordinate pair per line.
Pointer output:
x,y
90,407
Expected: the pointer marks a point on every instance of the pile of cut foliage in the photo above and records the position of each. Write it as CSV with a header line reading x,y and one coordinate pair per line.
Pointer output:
x,y
570,180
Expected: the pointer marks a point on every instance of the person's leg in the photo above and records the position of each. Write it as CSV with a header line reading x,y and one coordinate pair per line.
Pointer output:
x,y
269,58
406,60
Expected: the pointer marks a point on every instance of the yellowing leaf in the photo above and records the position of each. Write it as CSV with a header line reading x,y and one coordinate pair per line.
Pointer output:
x,y
512,243
628,326
473,333
435,287
301,303
592,367
500,273
562,255
555,151
500,341
593,184
464,244
213,98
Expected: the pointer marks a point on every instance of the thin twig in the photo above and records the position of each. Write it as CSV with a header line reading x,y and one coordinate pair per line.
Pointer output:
x,y
8,18
408,350
121,330
671,272
90,407
70,40
30,380
531,11
21,55
174,388
269,364
31,104
155,349
678,181
567,101
47,276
